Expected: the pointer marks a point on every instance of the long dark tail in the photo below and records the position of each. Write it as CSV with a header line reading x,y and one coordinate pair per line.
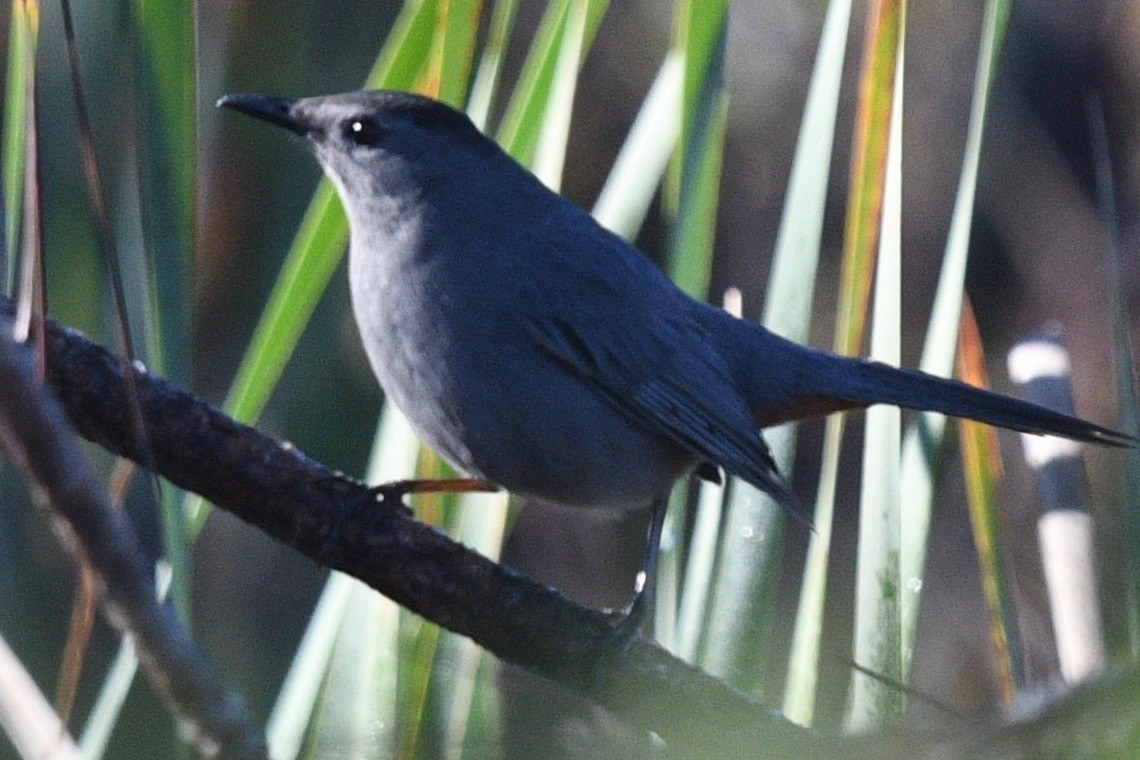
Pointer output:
x,y
784,381
875,383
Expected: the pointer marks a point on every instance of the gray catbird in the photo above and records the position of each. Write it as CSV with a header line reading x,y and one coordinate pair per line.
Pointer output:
x,y
534,349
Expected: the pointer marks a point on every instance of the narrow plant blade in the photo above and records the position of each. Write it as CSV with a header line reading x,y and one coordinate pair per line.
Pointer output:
x,y
876,631
32,298
698,580
296,700
486,82
23,32
166,80
981,464
449,67
636,174
357,712
550,150
26,717
482,526
416,667
923,440
701,29
1126,395
526,111
860,241
868,166
350,701
748,566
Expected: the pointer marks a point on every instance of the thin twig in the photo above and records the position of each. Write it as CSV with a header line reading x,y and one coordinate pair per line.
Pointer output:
x,y
34,434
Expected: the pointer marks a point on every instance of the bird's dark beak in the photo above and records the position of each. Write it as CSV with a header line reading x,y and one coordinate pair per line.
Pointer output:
x,y
277,111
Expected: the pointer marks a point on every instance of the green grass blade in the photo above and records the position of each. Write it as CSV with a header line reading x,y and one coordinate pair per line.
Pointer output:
x,y
32,727
865,195
667,589
738,624
518,132
787,312
449,68
404,56
923,440
701,31
482,525
22,35
166,71
550,150
166,74
876,632
310,263
109,702
526,112
293,710
747,572
803,659
698,580
491,62
356,716
860,243
791,285
636,174
981,464
417,663
394,453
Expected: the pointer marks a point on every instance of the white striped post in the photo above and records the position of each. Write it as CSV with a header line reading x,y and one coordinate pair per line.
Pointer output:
x,y
1041,366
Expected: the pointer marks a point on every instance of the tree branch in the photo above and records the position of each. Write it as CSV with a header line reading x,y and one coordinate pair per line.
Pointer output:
x,y
305,505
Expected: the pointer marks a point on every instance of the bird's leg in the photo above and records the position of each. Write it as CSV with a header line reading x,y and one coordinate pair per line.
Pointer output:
x,y
628,622
392,495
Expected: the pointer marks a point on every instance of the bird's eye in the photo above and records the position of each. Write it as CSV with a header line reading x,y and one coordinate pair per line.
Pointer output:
x,y
363,132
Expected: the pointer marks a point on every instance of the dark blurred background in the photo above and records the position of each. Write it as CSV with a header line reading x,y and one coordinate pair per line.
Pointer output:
x,y
1037,255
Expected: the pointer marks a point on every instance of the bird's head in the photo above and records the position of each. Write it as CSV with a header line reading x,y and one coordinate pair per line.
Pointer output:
x,y
376,143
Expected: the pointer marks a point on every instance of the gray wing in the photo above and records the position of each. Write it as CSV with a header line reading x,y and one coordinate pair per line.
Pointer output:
x,y
600,307
662,373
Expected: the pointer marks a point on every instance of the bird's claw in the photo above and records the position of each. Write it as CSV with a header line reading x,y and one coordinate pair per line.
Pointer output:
x,y
625,626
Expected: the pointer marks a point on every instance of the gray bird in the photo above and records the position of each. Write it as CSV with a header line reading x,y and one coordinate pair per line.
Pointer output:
x,y
534,349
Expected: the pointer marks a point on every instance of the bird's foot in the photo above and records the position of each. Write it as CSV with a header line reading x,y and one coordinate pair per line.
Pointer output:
x,y
625,627
391,495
